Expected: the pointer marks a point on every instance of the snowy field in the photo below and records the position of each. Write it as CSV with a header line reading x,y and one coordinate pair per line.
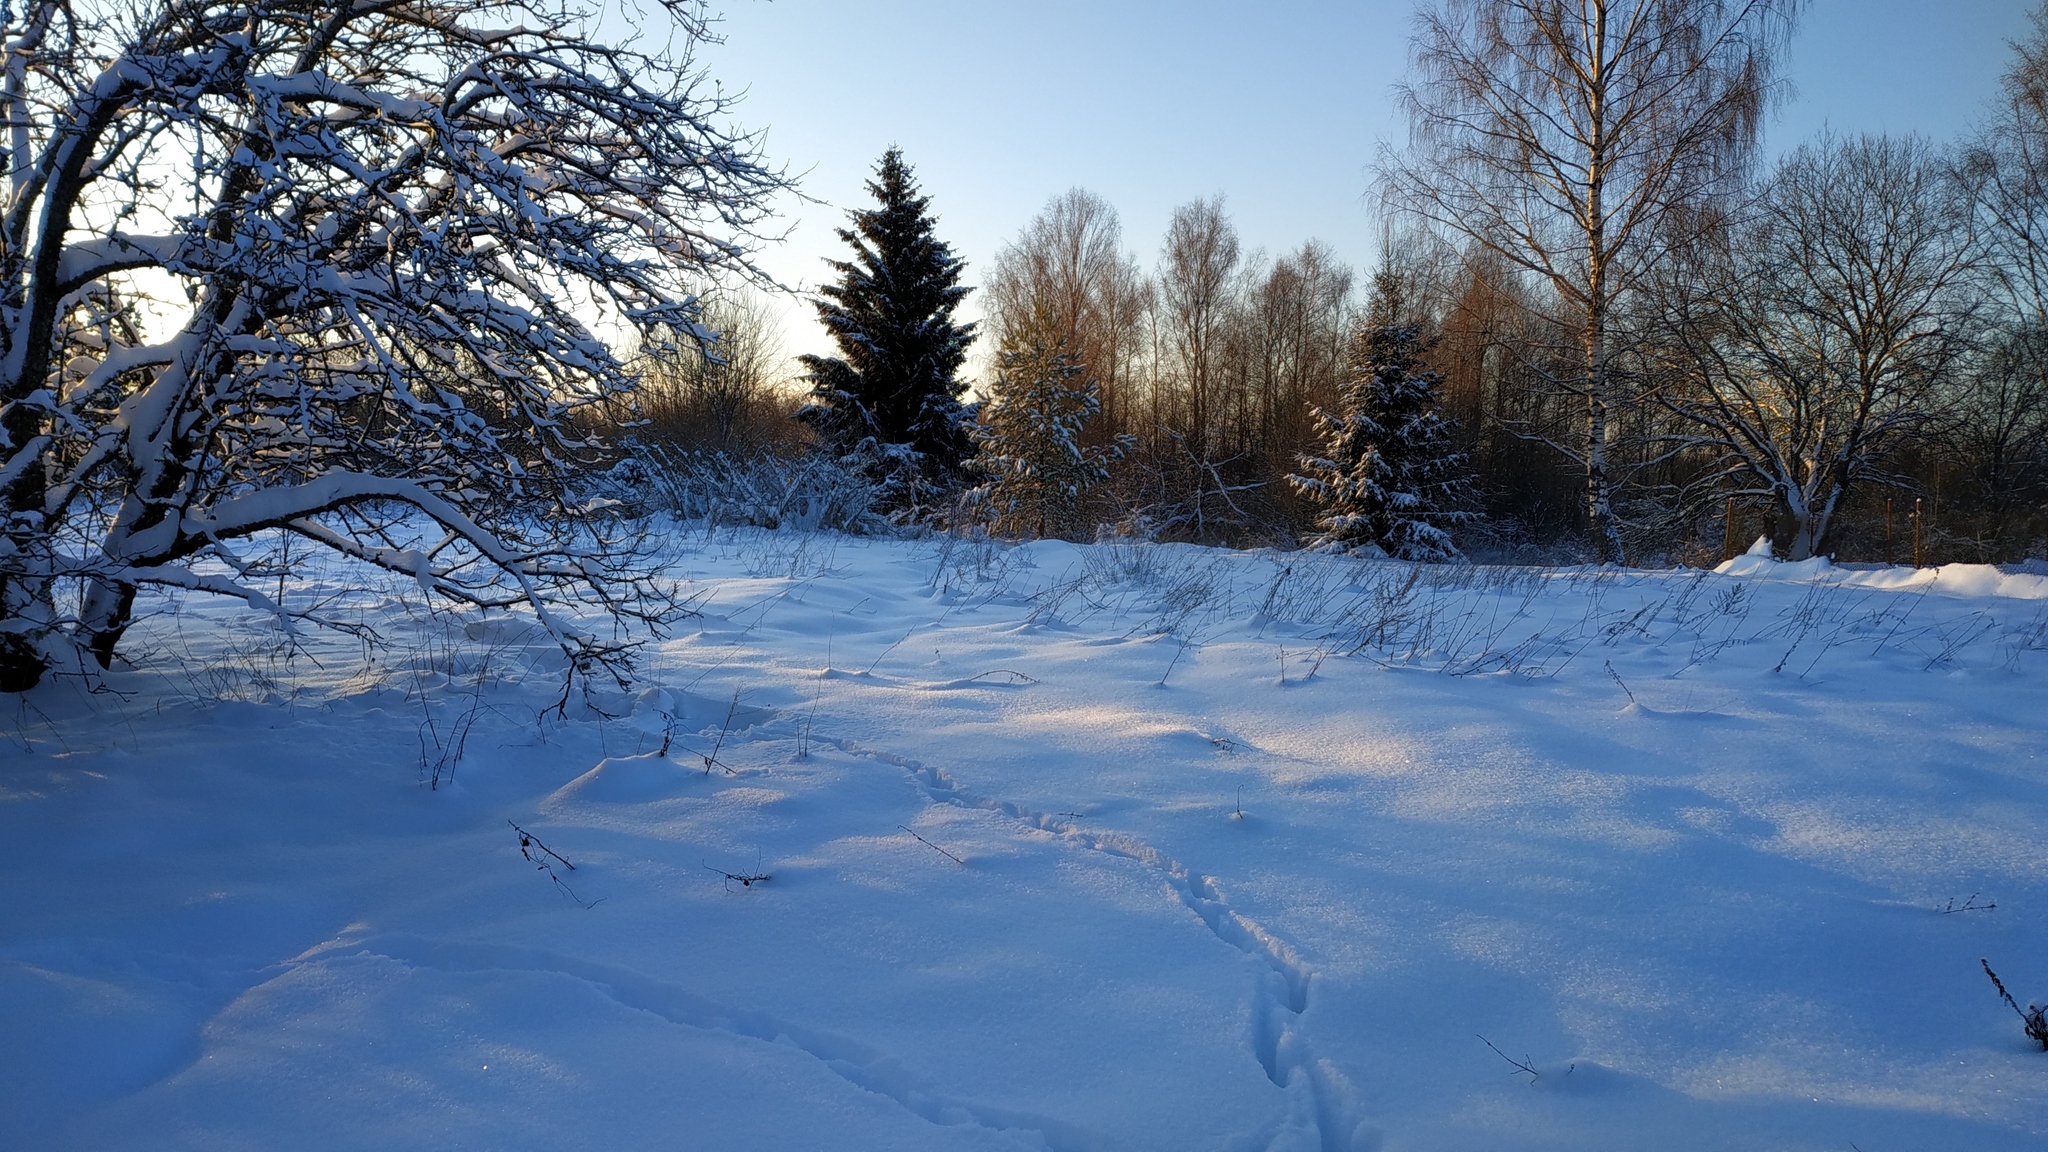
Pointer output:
x,y
1119,847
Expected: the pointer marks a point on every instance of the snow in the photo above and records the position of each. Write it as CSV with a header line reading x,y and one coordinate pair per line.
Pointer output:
x,y
1077,848
1966,580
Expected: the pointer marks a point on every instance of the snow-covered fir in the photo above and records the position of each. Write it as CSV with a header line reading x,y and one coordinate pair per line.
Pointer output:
x,y
1030,436
1389,476
890,401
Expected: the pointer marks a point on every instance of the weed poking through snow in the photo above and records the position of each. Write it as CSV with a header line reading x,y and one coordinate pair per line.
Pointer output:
x,y
544,859
2033,1017
745,879
710,758
1618,680
934,847
1525,1064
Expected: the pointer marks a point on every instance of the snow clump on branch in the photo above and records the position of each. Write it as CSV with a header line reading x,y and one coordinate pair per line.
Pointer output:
x,y
386,225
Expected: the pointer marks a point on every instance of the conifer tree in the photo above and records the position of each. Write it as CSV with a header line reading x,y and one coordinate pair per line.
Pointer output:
x,y
891,398
1389,476
1030,436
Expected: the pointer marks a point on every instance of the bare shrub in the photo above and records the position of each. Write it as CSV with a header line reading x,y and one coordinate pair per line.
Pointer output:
x,y
808,491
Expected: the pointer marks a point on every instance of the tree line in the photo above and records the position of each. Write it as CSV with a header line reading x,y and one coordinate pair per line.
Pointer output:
x,y
1644,341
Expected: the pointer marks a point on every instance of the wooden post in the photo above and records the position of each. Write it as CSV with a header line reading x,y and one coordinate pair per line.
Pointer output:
x,y
1916,532
1887,531
1728,533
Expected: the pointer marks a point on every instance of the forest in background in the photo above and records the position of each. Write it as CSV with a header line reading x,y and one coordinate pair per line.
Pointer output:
x,y
1844,349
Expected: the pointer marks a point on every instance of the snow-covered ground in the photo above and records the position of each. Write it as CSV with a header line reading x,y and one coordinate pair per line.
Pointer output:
x,y
1121,847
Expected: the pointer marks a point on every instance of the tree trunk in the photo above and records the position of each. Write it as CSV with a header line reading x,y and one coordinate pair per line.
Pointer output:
x,y
1600,518
25,606
109,609
1794,535
26,610
1599,489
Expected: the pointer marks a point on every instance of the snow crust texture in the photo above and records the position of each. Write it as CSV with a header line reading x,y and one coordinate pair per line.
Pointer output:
x,y
960,845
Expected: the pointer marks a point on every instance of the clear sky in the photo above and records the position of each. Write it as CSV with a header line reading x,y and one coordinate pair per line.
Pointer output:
x,y
1280,106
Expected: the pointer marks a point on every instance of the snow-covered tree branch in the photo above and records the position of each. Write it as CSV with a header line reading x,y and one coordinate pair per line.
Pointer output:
x,y
336,270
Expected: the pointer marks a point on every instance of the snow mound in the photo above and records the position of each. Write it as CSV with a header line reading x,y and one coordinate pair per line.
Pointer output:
x,y
2027,582
628,780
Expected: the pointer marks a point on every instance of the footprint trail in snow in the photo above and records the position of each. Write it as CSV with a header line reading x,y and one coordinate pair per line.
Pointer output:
x,y
1325,1118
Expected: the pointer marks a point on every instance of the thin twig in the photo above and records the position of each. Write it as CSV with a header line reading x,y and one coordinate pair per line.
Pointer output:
x,y
934,847
711,758
1176,660
2033,1017
1005,672
1618,680
541,862
528,840
1522,1065
746,879
803,743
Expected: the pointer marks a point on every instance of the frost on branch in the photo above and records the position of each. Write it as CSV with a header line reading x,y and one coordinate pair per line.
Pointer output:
x,y
390,230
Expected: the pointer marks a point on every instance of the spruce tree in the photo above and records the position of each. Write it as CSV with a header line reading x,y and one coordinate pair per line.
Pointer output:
x,y
891,399
1389,477
1030,436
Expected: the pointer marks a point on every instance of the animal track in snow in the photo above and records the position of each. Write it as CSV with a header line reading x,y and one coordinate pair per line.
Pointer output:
x,y
861,1065
1283,992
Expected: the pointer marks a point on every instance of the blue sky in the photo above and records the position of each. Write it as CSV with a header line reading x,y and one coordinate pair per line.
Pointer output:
x,y
1280,107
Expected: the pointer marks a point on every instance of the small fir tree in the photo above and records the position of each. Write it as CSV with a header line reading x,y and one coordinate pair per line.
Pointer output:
x,y
891,399
1030,436
1389,478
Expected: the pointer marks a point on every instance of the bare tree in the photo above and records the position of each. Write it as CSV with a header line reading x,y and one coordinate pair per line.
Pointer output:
x,y
1997,435
2005,169
384,222
1568,138
1198,290
2002,435
1069,262
1299,315
1809,339
727,395
1214,361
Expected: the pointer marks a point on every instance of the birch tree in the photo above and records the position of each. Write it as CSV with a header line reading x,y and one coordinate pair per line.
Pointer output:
x,y
1199,284
1568,137
384,226
1297,319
